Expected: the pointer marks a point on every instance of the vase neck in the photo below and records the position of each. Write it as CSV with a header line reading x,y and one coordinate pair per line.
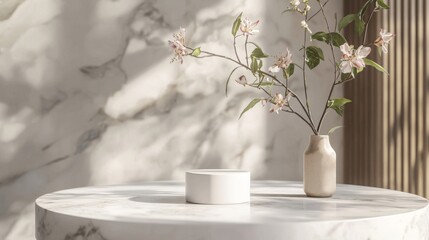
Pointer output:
x,y
317,141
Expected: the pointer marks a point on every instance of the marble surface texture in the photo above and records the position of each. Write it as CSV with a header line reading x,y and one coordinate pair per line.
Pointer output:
x,y
88,97
277,210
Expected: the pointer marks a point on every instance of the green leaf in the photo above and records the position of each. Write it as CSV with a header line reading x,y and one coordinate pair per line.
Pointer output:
x,y
359,26
196,52
337,39
338,105
312,63
321,36
346,21
258,53
314,55
359,22
375,65
285,73
363,9
229,78
349,76
339,102
236,25
260,73
288,72
290,69
319,52
254,65
334,129
346,76
254,44
354,72
382,4
250,106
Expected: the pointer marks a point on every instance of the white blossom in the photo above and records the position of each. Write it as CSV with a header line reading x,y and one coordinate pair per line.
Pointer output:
x,y
305,25
242,80
353,58
278,102
178,46
247,27
295,3
282,62
307,8
383,40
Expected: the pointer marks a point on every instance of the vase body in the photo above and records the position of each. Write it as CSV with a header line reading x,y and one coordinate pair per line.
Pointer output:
x,y
320,176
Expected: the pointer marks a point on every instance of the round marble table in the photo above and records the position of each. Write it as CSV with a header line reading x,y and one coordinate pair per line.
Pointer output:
x,y
278,210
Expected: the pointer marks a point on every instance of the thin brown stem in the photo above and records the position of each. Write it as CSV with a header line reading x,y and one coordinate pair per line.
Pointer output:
x,y
303,119
344,81
296,65
318,11
287,85
235,50
291,109
304,75
245,49
367,24
269,94
335,71
210,54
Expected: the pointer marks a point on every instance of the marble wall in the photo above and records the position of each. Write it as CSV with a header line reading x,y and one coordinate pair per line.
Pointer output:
x,y
88,97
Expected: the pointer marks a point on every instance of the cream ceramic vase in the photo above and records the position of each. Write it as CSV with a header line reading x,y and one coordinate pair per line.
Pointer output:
x,y
319,167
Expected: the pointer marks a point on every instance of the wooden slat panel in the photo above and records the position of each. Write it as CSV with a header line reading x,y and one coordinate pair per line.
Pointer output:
x,y
387,126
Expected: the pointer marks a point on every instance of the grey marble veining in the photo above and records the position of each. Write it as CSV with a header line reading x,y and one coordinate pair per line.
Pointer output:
x,y
277,210
88,96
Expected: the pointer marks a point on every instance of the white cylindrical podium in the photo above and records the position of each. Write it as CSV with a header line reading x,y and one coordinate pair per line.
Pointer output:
x,y
217,186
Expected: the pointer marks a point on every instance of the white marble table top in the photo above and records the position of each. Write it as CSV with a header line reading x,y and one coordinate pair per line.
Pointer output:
x,y
157,210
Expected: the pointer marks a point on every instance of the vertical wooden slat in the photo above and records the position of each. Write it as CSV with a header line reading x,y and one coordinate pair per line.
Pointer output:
x,y
397,97
356,89
425,102
370,89
347,169
348,163
363,112
378,113
412,24
419,99
385,119
404,92
391,142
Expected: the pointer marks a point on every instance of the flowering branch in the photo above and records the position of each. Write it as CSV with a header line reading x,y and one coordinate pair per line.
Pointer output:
x,y
367,25
293,94
335,69
304,73
352,61
318,11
